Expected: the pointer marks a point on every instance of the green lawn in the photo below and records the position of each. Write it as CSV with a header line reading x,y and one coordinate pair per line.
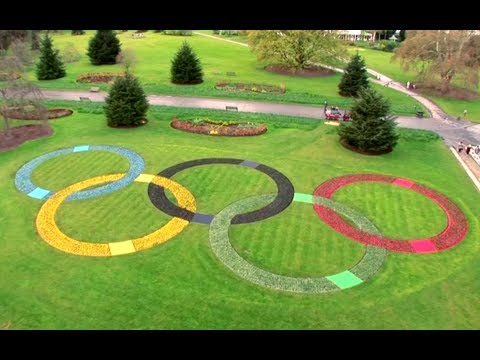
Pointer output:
x,y
154,54
181,284
381,62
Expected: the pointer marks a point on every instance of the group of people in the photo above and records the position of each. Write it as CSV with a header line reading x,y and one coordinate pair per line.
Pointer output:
x,y
468,148
334,112
409,85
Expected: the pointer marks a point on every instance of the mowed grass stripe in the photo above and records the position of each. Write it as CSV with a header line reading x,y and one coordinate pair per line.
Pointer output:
x,y
306,247
397,212
62,171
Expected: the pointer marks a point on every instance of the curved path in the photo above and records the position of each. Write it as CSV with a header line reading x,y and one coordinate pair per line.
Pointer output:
x,y
451,130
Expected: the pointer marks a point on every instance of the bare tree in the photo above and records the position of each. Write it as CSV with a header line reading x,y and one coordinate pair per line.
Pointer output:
x,y
442,55
127,58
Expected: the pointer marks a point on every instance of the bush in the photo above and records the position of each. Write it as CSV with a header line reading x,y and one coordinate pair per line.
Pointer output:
x,y
78,32
178,32
388,45
126,103
216,32
141,31
229,32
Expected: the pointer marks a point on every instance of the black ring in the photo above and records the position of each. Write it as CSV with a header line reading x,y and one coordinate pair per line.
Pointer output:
x,y
285,192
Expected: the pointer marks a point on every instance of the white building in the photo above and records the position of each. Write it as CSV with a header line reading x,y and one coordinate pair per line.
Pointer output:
x,y
355,35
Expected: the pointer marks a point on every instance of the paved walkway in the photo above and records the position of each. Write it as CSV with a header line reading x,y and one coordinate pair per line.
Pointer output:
x,y
451,131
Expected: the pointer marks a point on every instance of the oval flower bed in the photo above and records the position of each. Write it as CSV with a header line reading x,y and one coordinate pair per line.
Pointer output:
x,y
220,128
258,88
25,114
98,77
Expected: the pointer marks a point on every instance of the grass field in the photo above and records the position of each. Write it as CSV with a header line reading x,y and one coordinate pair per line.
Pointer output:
x,y
181,284
381,62
154,54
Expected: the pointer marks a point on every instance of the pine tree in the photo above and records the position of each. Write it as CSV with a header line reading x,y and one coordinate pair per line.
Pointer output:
x,y
354,78
371,128
186,67
402,35
126,103
50,65
103,48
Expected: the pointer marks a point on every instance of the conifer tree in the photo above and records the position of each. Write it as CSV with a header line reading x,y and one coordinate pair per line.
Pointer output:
x,y
103,48
186,67
354,78
50,66
371,128
126,103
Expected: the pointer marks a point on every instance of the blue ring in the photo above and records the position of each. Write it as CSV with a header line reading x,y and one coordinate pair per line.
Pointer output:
x,y
24,183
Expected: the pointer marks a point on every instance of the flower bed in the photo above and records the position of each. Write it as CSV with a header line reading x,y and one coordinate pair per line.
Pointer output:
x,y
257,88
454,233
98,77
219,128
23,114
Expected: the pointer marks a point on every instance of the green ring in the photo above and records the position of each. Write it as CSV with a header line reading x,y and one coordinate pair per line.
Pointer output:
x,y
368,266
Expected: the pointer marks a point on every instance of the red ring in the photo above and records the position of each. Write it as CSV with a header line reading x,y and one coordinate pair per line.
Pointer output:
x,y
455,231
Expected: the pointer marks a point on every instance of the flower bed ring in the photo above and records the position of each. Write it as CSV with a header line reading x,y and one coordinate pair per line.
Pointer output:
x,y
454,233
24,183
366,268
281,202
50,233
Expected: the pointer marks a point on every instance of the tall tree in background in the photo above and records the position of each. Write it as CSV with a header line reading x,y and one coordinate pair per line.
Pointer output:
x,y
103,48
297,49
186,67
354,78
402,35
50,66
371,128
442,55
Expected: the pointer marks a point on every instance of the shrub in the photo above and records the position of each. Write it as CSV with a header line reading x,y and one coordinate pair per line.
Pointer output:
x,y
216,32
229,32
78,32
178,32
98,77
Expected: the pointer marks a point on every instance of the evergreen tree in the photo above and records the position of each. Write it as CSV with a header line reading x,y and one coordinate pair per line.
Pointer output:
x,y
50,66
126,103
371,128
186,67
103,48
354,78
402,35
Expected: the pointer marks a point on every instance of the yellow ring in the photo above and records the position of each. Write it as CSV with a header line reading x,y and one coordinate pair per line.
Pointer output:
x,y
49,231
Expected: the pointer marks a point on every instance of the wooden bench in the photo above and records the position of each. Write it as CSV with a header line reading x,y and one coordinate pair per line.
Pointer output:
x,y
231,73
231,108
83,98
94,89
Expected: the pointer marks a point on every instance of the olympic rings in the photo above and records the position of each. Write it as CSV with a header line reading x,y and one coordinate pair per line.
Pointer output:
x,y
455,231
219,240
49,231
279,203
24,183
270,205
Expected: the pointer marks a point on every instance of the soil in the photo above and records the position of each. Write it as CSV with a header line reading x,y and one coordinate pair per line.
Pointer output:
x,y
144,122
314,71
354,149
18,135
52,114
453,93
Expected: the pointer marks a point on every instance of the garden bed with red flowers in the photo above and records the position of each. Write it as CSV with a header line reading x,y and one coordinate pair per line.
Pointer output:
x,y
253,87
218,128
22,114
103,77
455,231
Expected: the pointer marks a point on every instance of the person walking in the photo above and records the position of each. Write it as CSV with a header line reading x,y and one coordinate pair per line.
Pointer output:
x,y
465,113
325,105
460,147
408,84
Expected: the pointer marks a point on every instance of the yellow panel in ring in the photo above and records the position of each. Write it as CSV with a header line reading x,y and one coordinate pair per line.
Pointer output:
x,y
49,231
